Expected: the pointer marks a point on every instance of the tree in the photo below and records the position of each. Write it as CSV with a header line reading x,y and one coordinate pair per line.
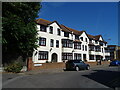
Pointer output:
x,y
19,29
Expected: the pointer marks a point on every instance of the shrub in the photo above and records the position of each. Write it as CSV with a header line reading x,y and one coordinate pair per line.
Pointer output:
x,y
14,67
47,62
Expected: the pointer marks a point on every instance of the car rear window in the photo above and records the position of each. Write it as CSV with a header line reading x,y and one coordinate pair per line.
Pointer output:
x,y
74,61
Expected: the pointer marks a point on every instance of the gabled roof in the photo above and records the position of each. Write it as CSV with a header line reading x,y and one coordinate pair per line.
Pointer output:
x,y
90,36
75,31
97,37
46,22
43,21
64,28
67,29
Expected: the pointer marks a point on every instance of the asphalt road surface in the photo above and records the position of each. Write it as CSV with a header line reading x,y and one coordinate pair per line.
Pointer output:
x,y
106,77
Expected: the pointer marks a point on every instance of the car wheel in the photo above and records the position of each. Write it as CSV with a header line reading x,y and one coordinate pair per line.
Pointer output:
x,y
88,67
77,68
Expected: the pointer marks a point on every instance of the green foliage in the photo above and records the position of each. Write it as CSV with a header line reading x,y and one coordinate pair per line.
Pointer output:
x,y
14,67
19,28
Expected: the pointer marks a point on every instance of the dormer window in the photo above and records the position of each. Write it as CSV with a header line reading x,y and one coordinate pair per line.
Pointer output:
x,y
101,43
51,30
66,34
76,37
81,38
96,42
43,28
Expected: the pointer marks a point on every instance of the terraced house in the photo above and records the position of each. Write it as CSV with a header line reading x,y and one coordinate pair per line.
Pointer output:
x,y
58,43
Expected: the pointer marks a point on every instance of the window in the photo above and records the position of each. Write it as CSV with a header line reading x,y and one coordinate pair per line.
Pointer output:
x,y
91,48
43,55
76,37
51,43
96,42
107,57
101,43
86,39
58,32
51,30
67,43
107,50
67,56
97,49
42,41
91,57
98,57
57,43
85,48
66,34
81,38
77,45
43,28
105,44
77,56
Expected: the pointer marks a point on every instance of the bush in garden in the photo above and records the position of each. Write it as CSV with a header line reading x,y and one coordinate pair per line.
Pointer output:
x,y
14,67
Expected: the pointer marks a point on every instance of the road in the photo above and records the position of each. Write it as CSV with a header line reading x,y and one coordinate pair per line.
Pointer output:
x,y
103,77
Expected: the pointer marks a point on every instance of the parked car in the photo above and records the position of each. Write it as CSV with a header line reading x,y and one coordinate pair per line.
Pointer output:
x,y
76,65
115,63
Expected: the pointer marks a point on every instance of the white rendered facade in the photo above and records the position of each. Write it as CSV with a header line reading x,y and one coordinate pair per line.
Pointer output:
x,y
58,48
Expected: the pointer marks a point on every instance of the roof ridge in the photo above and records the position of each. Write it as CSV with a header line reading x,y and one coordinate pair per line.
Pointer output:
x,y
68,29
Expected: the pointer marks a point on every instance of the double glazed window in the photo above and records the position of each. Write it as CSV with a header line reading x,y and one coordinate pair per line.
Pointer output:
x,y
58,31
43,55
77,56
91,57
51,30
66,34
97,48
85,48
57,43
67,56
81,38
76,37
67,43
43,28
101,43
96,42
91,48
77,45
51,43
42,41
86,39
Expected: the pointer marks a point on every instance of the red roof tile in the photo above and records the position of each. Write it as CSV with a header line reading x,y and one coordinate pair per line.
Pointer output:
x,y
67,29
43,21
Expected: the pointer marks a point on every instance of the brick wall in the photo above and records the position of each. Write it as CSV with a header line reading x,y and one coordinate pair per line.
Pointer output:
x,y
31,66
50,66
56,65
102,63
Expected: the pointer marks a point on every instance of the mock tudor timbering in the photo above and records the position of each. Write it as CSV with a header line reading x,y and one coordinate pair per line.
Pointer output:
x,y
58,43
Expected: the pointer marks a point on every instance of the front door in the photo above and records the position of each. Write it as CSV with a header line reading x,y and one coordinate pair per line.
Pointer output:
x,y
54,57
